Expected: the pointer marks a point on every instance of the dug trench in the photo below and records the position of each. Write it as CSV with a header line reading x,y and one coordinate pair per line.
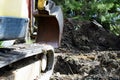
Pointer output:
x,y
88,52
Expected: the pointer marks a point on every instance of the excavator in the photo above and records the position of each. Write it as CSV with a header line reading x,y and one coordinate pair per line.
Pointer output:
x,y
20,20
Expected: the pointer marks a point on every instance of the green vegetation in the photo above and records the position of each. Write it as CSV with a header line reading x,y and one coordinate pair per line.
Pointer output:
x,y
106,12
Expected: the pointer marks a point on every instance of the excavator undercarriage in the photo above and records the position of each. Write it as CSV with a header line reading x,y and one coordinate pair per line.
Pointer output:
x,y
26,62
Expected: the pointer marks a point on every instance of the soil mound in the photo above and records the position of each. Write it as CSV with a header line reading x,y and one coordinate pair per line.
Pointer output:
x,y
97,65
89,52
87,36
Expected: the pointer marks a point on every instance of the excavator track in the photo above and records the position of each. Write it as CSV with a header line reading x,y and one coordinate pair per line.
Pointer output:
x,y
26,62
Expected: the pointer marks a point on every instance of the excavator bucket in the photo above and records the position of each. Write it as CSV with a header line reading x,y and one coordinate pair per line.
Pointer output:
x,y
49,21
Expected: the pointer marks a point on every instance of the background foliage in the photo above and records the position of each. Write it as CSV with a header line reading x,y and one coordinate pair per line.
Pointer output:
x,y
105,12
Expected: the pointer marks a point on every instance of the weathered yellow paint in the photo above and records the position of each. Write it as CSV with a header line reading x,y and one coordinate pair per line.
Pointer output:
x,y
41,4
15,8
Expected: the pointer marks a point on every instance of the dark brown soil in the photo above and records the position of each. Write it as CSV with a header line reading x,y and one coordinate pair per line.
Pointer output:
x,y
88,52
78,35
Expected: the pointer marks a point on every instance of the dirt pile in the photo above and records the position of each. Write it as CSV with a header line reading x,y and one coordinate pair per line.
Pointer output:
x,y
89,52
104,65
87,36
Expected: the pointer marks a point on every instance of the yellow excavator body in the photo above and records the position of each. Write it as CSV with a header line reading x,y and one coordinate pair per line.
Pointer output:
x,y
36,60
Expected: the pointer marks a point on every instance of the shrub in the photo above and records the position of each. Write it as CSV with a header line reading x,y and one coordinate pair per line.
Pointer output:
x,y
106,12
